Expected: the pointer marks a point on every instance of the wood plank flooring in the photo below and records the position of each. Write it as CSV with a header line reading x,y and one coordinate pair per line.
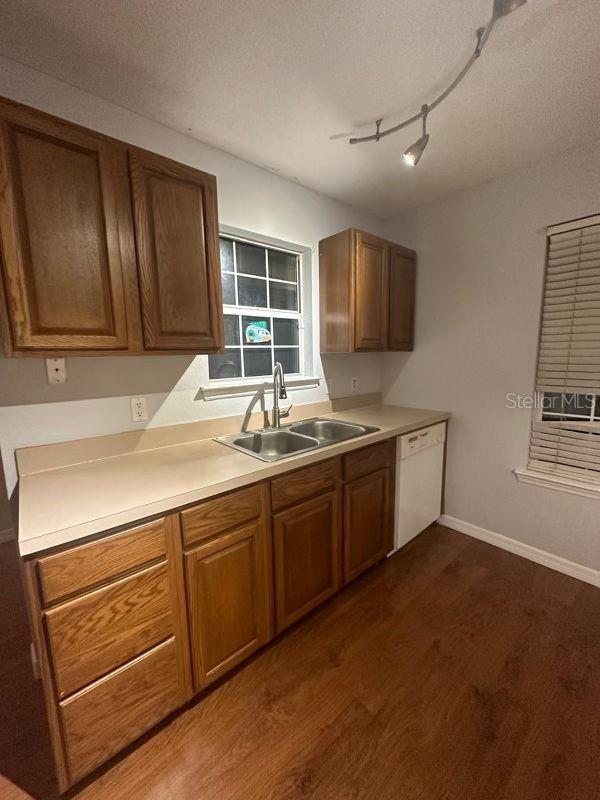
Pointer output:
x,y
455,671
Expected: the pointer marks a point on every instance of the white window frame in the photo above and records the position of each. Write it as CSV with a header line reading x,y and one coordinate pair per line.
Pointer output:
x,y
306,378
561,483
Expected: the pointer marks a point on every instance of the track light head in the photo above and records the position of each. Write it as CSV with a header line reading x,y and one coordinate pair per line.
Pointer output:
x,y
415,151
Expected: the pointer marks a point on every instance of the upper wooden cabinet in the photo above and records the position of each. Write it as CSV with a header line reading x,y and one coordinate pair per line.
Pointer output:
x,y
71,282
403,272
371,290
65,224
367,293
177,239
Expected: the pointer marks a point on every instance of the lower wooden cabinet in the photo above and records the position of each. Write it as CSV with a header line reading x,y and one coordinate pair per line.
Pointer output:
x,y
367,521
115,655
129,626
228,583
307,541
108,715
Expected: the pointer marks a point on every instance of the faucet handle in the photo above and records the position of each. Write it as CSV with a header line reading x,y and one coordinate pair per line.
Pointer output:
x,y
286,413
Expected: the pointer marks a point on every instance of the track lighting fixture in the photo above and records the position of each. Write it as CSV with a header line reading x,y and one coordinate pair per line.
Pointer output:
x,y
412,156
415,151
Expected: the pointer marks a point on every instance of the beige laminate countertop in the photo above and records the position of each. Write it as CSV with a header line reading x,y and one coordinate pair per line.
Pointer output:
x,y
59,506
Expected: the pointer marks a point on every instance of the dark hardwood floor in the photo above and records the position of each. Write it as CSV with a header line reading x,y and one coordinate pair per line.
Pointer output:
x,y
455,671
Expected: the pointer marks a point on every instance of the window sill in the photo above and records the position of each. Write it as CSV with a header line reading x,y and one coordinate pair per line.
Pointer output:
x,y
557,482
218,390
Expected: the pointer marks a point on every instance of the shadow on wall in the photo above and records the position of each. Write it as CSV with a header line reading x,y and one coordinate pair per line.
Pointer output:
x,y
24,381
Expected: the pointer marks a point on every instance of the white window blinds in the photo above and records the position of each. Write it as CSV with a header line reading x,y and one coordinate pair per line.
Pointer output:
x,y
569,352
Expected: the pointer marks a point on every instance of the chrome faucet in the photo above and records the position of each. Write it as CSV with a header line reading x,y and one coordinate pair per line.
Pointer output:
x,y
279,393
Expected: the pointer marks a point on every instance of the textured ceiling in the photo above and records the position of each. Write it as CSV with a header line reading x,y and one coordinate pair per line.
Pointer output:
x,y
272,81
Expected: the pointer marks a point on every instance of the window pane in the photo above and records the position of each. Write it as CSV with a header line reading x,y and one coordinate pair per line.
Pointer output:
x,y
567,405
597,410
231,325
285,331
289,359
256,330
252,292
578,404
283,296
226,249
250,259
257,362
227,282
282,266
225,365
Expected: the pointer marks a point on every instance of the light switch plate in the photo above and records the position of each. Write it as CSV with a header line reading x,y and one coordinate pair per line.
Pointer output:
x,y
56,370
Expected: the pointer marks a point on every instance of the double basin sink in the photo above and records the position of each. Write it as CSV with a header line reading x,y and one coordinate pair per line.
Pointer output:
x,y
298,437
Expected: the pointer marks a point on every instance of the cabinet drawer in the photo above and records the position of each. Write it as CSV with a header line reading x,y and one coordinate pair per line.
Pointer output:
x,y
215,516
303,483
108,715
94,634
91,564
369,459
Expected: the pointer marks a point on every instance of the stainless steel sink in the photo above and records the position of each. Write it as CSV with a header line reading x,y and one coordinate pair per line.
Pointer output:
x,y
270,445
331,431
299,437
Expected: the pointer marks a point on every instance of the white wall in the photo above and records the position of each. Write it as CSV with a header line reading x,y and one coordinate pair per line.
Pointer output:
x,y
95,399
480,273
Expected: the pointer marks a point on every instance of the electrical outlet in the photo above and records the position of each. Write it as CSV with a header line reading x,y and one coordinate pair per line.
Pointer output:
x,y
139,412
354,384
56,370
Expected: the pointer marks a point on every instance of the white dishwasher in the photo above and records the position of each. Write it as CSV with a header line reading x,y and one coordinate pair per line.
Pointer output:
x,y
419,475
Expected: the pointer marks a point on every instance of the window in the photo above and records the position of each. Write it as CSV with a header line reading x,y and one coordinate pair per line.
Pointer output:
x,y
565,439
261,309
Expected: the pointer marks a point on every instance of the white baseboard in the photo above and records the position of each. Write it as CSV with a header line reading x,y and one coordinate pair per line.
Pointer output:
x,y
7,535
550,560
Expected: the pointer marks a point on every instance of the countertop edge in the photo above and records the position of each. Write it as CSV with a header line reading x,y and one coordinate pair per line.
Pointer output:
x,y
32,546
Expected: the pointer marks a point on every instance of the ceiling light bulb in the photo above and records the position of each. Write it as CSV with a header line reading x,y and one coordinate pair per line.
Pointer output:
x,y
415,151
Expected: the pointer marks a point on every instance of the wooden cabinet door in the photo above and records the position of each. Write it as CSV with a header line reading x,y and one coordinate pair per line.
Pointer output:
x,y
229,600
306,539
66,236
402,300
176,226
366,522
371,287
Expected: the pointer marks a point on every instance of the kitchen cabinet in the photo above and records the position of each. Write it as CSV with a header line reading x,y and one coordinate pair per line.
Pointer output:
x,y
402,299
67,239
175,215
368,507
371,292
110,632
307,551
229,591
306,540
229,580
367,293
130,625
72,279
